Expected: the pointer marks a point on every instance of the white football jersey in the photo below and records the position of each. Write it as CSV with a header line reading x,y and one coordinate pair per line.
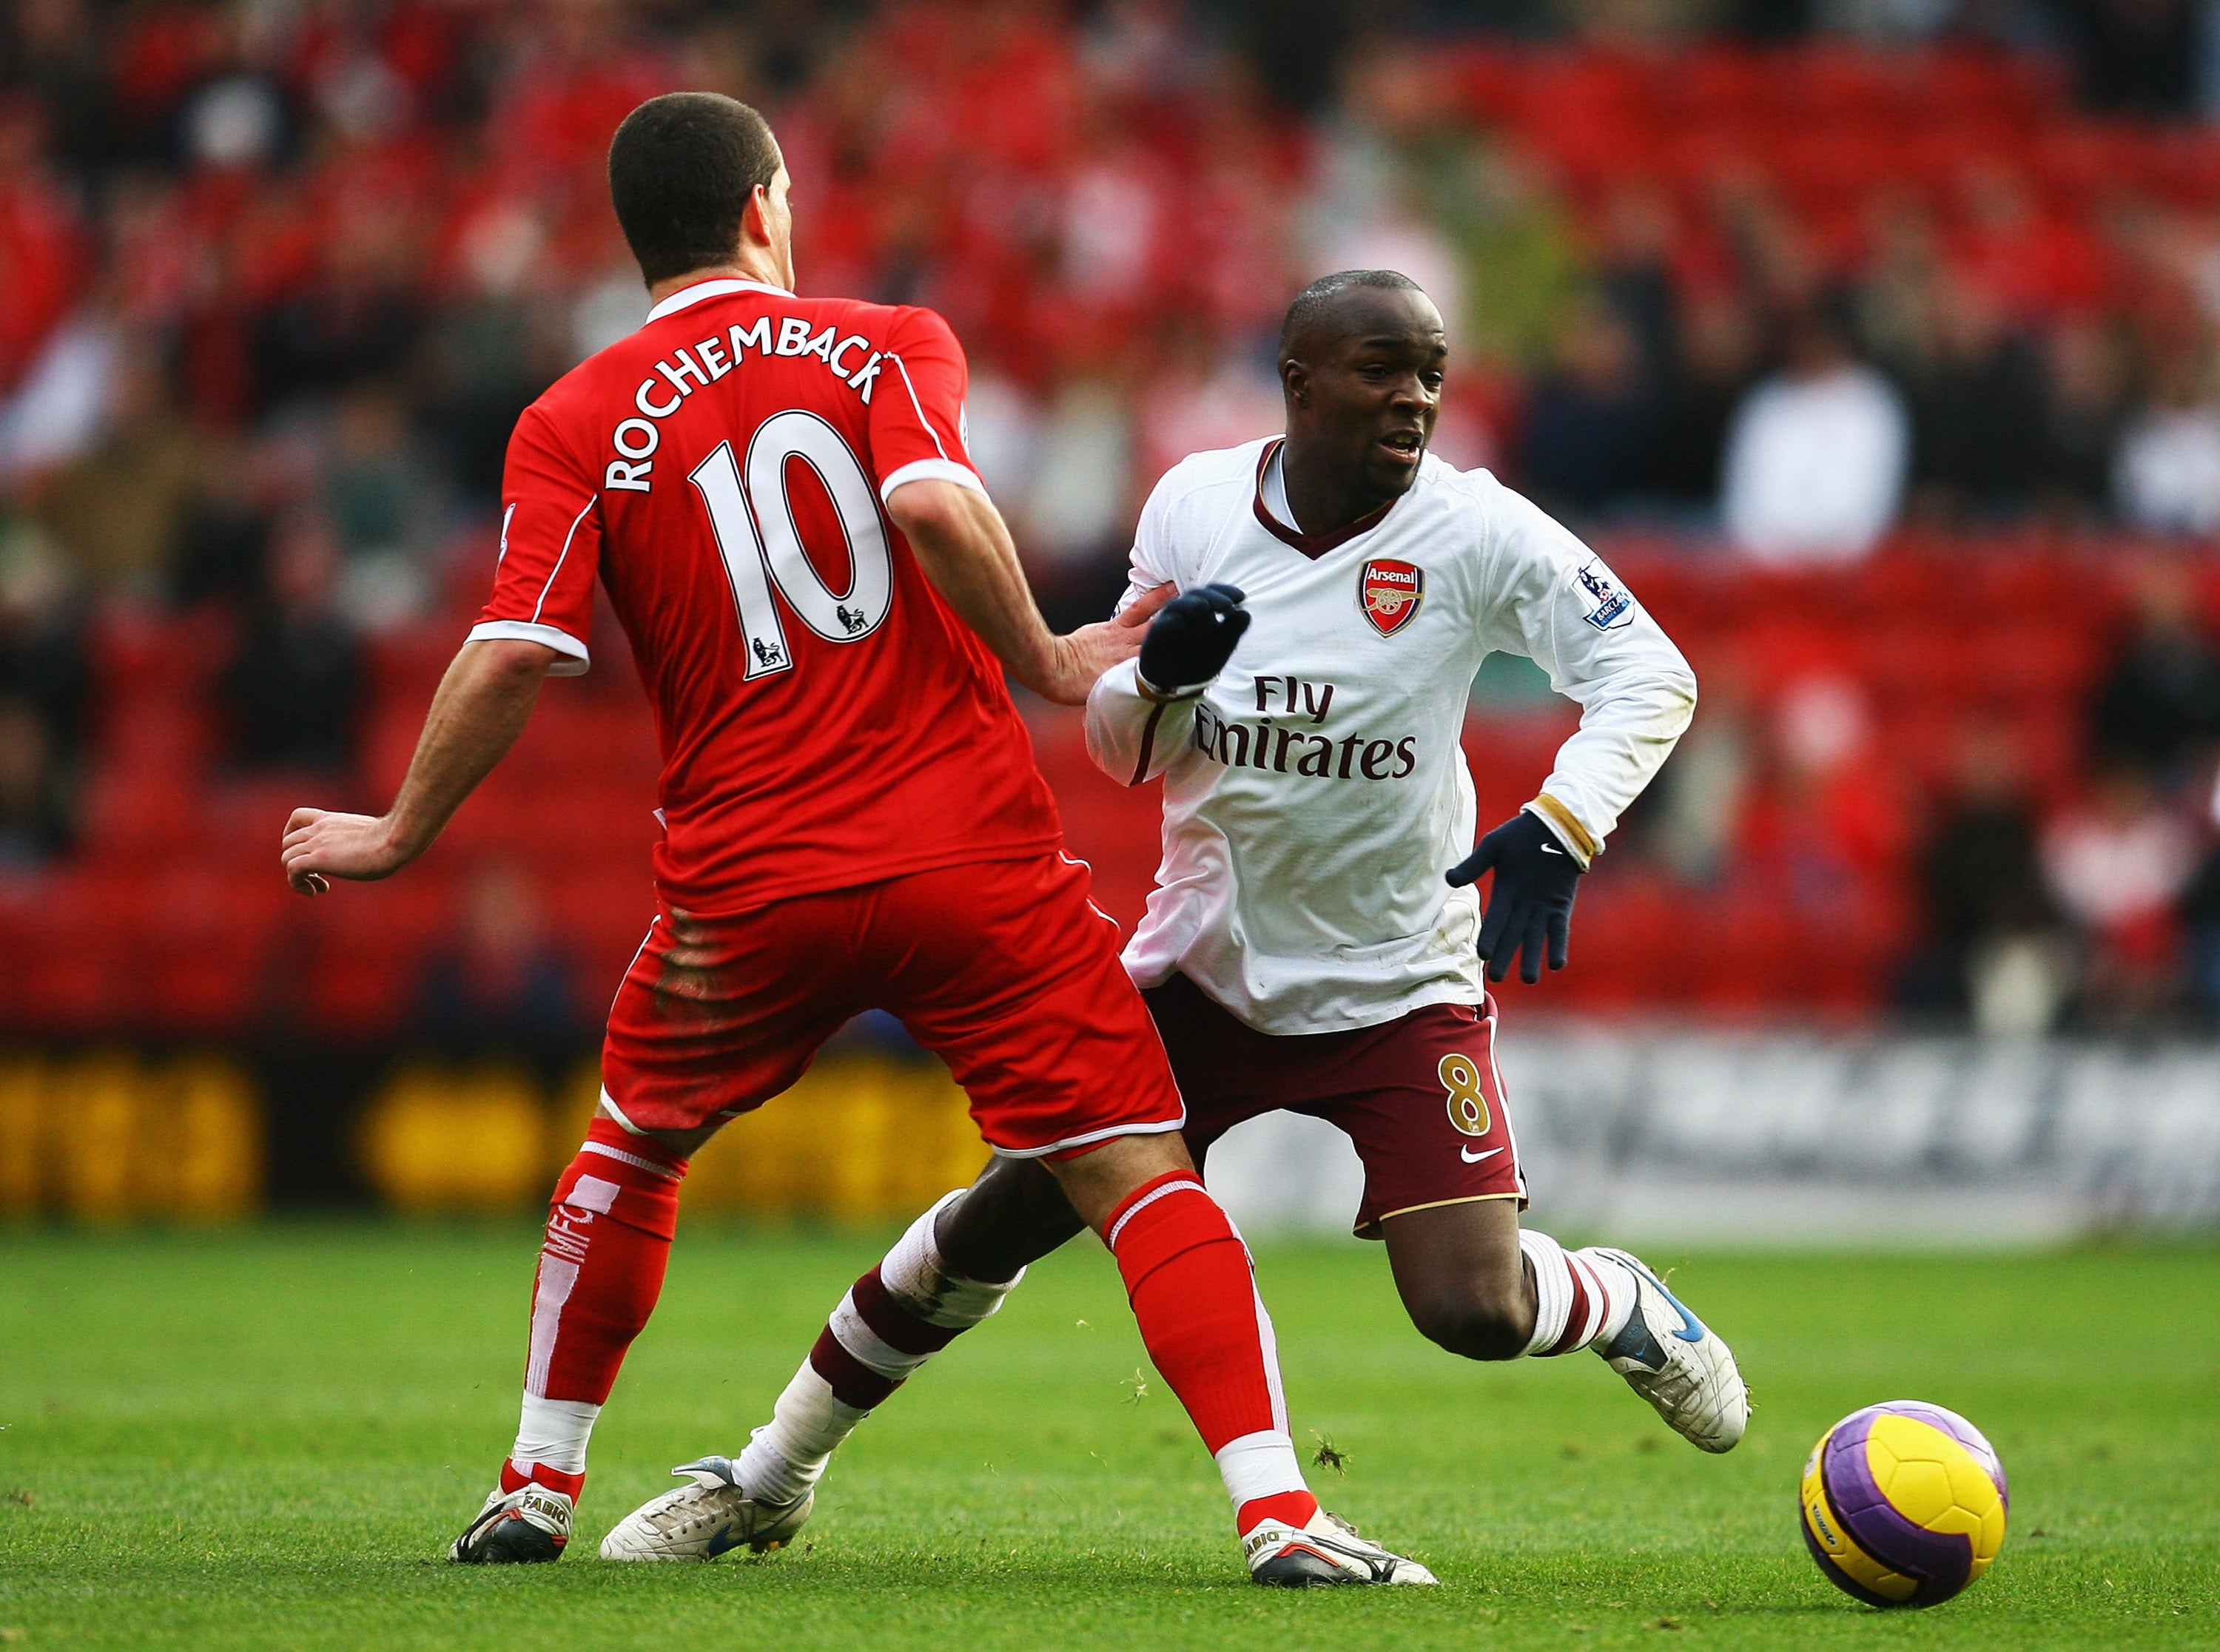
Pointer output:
x,y
1315,793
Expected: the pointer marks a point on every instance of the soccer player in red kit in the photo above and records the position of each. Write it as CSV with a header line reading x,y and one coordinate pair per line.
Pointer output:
x,y
775,493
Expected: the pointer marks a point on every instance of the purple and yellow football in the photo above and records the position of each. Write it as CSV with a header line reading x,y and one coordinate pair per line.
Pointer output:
x,y
1903,1504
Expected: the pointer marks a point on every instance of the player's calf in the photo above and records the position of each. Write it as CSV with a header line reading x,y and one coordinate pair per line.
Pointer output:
x,y
1463,1277
1475,1324
1193,1293
609,1228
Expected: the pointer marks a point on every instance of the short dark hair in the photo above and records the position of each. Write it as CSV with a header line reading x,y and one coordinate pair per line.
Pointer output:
x,y
681,169
1311,303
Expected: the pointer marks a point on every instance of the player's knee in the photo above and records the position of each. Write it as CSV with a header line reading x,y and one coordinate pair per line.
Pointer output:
x,y
1011,1217
1473,1324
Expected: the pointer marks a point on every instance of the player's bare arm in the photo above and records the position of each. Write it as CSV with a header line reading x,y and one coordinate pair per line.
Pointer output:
x,y
482,705
965,549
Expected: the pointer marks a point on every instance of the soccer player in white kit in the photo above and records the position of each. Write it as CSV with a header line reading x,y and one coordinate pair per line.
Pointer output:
x,y
1314,941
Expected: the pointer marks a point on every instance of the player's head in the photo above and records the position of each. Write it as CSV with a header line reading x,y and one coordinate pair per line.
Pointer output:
x,y
1362,354
698,184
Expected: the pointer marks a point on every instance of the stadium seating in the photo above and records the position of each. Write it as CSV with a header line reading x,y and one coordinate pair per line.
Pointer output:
x,y
172,919
167,921
1833,124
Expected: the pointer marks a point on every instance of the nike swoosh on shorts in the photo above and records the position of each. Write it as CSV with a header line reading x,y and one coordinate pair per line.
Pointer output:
x,y
1471,1157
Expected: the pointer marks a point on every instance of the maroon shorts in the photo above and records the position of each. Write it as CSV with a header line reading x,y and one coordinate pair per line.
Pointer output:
x,y
1420,1096
1005,969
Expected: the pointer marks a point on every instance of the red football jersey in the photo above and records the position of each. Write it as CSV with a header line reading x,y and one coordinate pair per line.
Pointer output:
x,y
826,720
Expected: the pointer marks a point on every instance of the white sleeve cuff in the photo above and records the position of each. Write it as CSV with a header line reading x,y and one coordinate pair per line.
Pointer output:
x,y
575,658
1156,697
931,470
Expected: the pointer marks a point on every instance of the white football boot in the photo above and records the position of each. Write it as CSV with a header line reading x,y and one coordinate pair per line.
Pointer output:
x,y
1676,1362
1324,1552
528,1524
709,1518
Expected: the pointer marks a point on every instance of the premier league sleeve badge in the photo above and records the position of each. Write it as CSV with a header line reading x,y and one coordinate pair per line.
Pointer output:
x,y
1603,604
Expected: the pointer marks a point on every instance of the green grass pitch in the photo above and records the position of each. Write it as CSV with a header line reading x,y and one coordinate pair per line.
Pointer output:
x,y
265,1440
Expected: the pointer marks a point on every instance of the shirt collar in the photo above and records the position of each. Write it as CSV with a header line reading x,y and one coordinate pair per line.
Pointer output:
x,y
1313,545
717,289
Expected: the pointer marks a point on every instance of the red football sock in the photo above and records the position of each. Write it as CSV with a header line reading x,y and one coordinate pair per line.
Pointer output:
x,y
1188,1274
514,1479
609,1228
1289,1508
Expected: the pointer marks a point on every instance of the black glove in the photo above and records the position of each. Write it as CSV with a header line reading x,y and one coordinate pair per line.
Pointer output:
x,y
1532,899
1192,637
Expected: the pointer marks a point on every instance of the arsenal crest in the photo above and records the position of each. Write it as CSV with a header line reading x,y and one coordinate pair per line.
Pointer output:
x,y
1391,591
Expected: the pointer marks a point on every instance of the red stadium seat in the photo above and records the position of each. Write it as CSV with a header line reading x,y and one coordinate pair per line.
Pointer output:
x,y
599,920
206,948
365,949
1113,828
65,976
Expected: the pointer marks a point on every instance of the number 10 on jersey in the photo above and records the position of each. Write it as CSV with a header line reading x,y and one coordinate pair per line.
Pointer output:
x,y
761,546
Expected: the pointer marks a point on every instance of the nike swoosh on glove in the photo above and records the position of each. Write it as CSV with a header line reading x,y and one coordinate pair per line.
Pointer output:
x,y
1192,637
1530,903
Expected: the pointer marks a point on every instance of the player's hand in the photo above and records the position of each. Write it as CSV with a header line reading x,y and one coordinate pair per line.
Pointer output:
x,y
321,845
1084,655
1189,642
1530,903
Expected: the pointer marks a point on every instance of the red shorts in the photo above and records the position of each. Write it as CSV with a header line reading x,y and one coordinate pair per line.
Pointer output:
x,y
1005,969
1420,1096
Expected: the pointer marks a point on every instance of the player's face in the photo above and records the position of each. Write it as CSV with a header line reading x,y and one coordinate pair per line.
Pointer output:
x,y
1367,400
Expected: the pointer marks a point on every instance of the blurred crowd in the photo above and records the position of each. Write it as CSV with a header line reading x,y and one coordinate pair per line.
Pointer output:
x,y
2007,823
2106,912
277,277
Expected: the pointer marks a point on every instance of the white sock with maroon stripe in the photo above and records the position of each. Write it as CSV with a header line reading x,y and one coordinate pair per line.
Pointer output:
x,y
1621,1293
1580,1298
893,1320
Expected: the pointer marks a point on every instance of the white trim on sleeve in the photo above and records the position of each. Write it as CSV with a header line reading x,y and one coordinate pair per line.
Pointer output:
x,y
919,405
931,470
575,658
555,572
